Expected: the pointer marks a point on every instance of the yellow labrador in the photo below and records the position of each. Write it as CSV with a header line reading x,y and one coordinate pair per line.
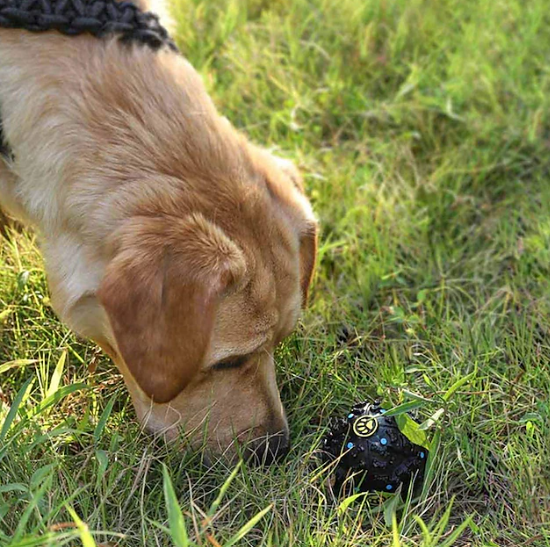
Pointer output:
x,y
178,246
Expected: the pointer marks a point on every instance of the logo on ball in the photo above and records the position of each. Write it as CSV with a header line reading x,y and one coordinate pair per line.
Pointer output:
x,y
365,426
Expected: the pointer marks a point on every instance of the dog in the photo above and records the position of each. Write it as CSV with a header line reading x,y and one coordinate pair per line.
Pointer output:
x,y
175,244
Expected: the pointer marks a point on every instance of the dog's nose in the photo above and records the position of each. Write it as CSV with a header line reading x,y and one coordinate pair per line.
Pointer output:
x,y
268,449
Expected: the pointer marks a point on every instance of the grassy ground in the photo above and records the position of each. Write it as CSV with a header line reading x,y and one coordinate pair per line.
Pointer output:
x,y
423,129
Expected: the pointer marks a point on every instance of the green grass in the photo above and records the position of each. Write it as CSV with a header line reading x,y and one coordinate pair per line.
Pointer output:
x,y
423,130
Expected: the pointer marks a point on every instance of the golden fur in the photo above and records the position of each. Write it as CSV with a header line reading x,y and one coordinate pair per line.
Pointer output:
x,y
169,239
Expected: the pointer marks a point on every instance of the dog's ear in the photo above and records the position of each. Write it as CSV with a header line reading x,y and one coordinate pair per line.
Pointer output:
x,y
308,253
161,292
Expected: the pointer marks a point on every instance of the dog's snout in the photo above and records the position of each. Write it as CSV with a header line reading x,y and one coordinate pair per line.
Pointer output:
x,y
269,449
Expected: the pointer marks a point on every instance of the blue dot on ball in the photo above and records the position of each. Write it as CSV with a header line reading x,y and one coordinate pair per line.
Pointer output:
x,y
384,441
422,455
350,416
349,445
389,487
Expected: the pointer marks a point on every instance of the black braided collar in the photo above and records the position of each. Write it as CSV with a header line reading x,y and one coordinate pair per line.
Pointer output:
x,y
97,17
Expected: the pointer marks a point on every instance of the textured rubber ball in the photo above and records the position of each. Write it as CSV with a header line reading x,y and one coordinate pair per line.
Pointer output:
x,y
382,458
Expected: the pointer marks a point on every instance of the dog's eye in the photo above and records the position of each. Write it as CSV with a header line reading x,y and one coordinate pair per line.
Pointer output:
x,y
231,362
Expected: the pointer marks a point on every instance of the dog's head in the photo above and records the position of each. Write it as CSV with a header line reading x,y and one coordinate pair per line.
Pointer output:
x,y
198,302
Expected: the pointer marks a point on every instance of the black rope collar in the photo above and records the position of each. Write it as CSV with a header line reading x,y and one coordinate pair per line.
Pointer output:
x,y
97,17
100,18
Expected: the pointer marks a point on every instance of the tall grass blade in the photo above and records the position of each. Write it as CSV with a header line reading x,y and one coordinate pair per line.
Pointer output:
x,y
83,530
178,530
57,374
21,395
248,526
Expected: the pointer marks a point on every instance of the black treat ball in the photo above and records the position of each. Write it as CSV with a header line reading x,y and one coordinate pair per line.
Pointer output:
x,y
373,450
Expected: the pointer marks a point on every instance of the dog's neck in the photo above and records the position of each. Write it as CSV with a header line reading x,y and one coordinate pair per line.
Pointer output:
x,y
99,18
